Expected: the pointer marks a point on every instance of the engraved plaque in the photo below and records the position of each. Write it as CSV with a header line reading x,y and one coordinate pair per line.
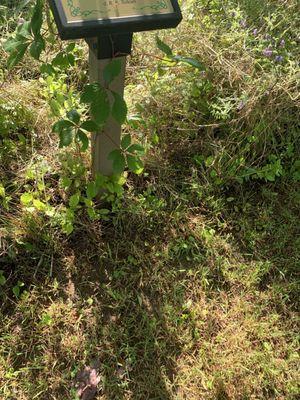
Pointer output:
x,y
89,10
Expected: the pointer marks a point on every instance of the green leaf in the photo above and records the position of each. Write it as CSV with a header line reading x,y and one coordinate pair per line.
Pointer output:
x,y
2,191
17,55
25,30
74,116
12,44
135,164
112,70
61,60
118,159
89,126
16,290
164,47
82,137
66,137
59,126
74,200
119,109
2,278
191,61
70,47
26,199
37,46
136,148
126,141
39,205
71,59
55,107
98,99
89,93
47,69
92,190
37,18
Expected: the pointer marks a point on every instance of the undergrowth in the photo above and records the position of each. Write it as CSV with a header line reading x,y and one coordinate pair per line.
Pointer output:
x,y
184,283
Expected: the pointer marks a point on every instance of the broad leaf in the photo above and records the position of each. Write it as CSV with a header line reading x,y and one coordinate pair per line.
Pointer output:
x,y
135,164
164,47
66,137
59,126
74,200
191,61
12,44
118,159
17,55
126,141
89,126
74,116
37,18
112,70
136,148
119,109
83,139
91,190
37,46
98,99
47,69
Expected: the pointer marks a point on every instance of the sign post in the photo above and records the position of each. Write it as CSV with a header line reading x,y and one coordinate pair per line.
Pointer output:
x,y
107,26
104,142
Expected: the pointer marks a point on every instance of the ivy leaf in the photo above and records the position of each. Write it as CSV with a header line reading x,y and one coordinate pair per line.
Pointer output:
x,y
126,141
91,190
70,47
74,200
13,43
61,60
82,137
191,61
37,18
164,47
65,130
119,109
74,116
135,164
37,46
136,148
17,55
25,29
90,126
66,137
47,69
118,160
98,99
71,59
61,125
112,70
55,107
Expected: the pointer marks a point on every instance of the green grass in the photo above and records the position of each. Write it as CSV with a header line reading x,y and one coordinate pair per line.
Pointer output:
x,y
190,289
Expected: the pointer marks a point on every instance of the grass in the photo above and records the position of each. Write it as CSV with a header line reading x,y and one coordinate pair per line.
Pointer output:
x,y
190,289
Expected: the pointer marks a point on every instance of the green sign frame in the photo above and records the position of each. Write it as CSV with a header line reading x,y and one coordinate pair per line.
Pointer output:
x,y
74,21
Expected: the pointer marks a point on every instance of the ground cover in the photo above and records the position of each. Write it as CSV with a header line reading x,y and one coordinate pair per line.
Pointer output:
x,y
188,286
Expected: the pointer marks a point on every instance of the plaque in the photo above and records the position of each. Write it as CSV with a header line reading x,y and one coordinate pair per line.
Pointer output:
x,y
89,10
88,18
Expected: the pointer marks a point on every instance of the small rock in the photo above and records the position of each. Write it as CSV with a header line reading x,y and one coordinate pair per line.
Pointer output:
x,y
87,382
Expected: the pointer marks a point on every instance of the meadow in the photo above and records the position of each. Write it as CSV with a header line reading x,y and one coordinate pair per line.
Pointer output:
x,y
184,283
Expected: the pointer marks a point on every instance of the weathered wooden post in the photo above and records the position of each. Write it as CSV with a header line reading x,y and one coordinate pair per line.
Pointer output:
x,y
108,26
